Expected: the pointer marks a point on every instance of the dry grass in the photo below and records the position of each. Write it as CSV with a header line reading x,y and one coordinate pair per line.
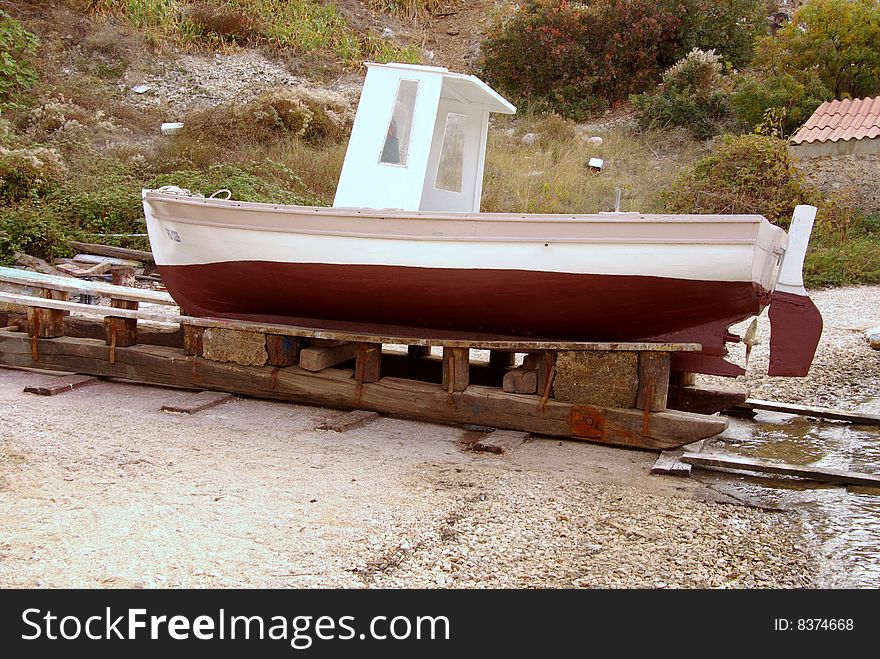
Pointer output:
x,y
411,11
551,176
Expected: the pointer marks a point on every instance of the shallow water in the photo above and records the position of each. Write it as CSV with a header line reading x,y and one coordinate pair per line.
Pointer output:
x,y
845,522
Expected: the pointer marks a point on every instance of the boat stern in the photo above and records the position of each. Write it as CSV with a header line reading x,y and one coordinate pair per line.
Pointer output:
x,y
795,322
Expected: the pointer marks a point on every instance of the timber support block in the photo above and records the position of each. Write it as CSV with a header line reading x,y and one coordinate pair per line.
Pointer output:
x,y
456,369
121,332
368,362
653,381
316,358
192,340
282,350
47,323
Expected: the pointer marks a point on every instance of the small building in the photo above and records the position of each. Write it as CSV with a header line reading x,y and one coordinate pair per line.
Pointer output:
x,y
839,147
419,140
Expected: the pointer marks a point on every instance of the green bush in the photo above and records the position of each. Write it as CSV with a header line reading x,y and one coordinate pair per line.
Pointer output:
x,y
28,173
793,98
17,48
743,174
838,39
33,228
575,58
693,94
245,185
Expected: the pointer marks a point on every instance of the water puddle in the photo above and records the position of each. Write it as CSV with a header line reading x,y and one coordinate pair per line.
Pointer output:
x,y
846,522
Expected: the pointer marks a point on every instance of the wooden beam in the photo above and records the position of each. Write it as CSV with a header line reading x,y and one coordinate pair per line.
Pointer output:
x,y
456,369
368,362
710,461
114,252
317,358
479,405
818,412
44,321
193,345
81,286
93,328
281,350
349,421
705,399
669,463
653,381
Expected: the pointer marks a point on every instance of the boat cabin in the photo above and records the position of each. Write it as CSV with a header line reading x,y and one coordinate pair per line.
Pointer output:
x,y
419,140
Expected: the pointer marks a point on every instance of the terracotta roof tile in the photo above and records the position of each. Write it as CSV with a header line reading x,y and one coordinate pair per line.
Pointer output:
x,y
849,119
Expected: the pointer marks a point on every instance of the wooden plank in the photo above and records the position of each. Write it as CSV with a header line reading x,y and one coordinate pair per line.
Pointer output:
x,y
115,252
93,328
349,421
368,362
93,259
665,462
653,381
282,350
121,332
818,412
479,405
81,286
456,369
190,403
59,385
520,381
500,441
317,358
820,474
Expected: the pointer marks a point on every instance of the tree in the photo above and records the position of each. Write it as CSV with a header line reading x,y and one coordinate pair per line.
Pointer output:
x,y
839,40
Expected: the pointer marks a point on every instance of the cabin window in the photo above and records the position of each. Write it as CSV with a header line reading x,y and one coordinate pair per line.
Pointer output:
x,y
395,150
451,165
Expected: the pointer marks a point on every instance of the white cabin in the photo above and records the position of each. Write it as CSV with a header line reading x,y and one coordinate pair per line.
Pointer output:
x,y
419,140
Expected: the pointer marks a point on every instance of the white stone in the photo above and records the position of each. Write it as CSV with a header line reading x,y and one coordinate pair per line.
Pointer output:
x,y
529,139
873,336
595,141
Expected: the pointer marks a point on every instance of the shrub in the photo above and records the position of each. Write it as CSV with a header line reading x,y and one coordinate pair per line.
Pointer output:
x,y
17,47
244,184
692,95
743,174
314,116
227,24
28,173
836,39
792,98
575,57
32,228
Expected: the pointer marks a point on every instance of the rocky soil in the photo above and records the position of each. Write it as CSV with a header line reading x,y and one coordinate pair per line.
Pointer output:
x,y
98,488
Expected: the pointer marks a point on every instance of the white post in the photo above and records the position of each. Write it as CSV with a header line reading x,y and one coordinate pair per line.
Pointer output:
x,y
791,274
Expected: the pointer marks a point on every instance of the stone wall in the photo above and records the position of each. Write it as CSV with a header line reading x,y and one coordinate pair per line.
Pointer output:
x,y
859,173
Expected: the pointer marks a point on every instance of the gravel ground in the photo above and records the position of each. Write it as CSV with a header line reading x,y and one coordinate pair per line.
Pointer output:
x,y
100,489
846,370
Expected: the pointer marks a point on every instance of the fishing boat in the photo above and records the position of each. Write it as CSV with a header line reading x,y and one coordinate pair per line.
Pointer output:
x,y
405,250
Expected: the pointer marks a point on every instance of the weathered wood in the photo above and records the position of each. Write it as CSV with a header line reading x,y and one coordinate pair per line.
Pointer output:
x,y
192,340
80,286
59,385
418,352
90,259
819,474
39,265
479,405
317,358
190,403
669,463
501,358
818,412
702,399
500,441
121,332
282,350
349,421
46,322
113,252
236,346
456,369
520,381
368,362
653,381
93,328
546,372
607,379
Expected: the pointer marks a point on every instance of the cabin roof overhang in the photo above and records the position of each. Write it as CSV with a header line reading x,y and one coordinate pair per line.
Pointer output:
x,y
461,88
